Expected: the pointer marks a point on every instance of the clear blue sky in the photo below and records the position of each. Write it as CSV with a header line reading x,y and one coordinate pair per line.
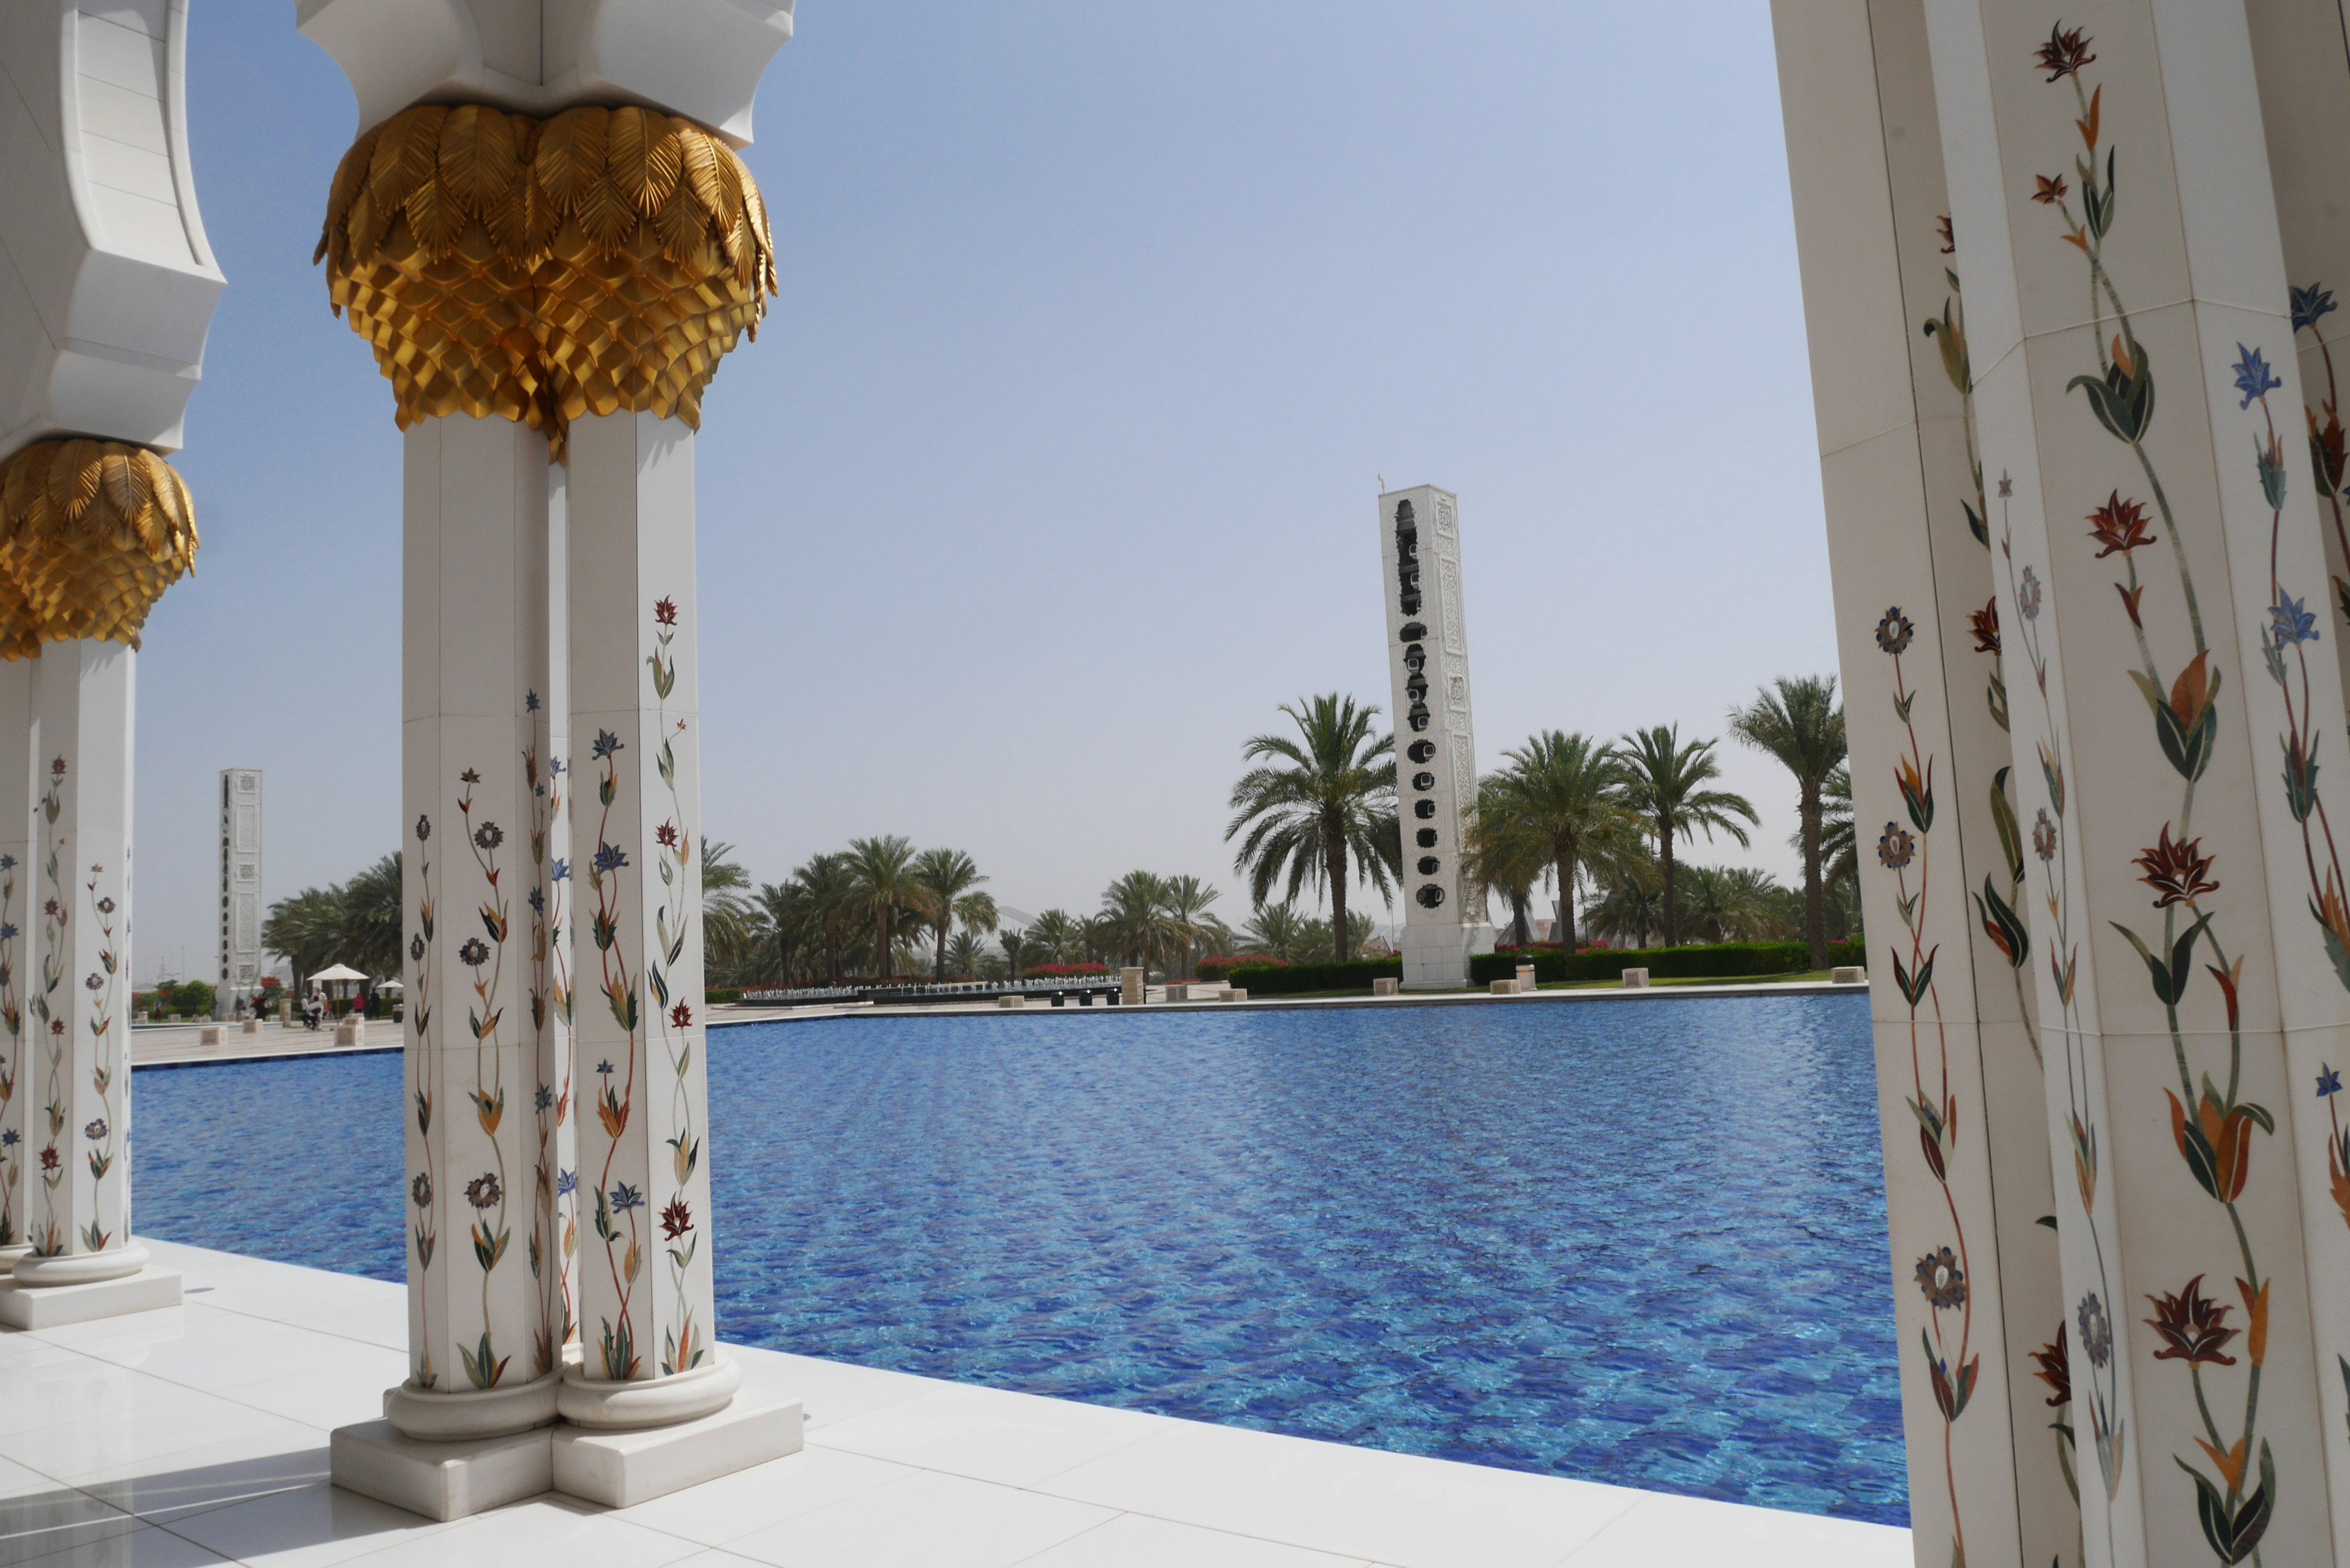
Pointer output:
x,y
1053,470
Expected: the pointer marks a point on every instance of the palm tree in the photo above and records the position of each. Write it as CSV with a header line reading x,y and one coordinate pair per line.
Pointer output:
x,y
1567,792
1186,903
1336,797
1630,901
962,955
358,922
1134,917
1503,856
942,877
1059,934
1014,943
1839,852
1275,931
1667,787
883,871
1802,725
730,916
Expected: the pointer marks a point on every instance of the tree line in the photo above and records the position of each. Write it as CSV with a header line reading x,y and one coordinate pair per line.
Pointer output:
x,y
1598,824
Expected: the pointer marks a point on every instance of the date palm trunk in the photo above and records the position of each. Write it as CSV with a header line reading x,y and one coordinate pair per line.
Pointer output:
x,y
1816,924
1566,867
1665,865
1333,854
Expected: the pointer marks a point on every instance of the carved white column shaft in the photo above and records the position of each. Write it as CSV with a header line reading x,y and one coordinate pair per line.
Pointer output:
x,y
19,746
2161,583
77,1009
1976,1298
475,668
555,1238
646,1288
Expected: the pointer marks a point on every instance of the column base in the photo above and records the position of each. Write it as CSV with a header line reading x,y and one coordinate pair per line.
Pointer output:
x,y
441,1480
472,1413
648,1402
620,1469
1435,958
24,1306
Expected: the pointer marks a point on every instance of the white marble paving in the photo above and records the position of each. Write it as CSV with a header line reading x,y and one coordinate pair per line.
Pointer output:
x,y
198,1436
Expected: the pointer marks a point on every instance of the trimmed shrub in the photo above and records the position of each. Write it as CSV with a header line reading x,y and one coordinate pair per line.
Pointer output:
x,y
1269,978
722,993
1222,967
1724,961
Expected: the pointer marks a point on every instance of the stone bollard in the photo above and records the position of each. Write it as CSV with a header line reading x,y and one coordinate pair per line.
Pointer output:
x,y
1235,994
1386,985
1011,1003
1848,974
1635,980
1178,991
351,1031
212,1035
1129,986
250,1026
1526,977
1503,988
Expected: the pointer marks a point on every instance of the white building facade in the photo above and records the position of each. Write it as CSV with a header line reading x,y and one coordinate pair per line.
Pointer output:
x,y
240,889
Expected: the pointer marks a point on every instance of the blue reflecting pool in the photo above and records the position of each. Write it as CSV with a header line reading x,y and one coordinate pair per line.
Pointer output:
x,y
1641,1243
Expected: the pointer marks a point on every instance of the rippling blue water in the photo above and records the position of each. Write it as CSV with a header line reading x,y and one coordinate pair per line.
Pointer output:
x,y
1636,1244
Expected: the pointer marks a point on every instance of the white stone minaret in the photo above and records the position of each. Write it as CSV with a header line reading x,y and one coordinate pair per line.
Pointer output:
x,y
240,889
1436,748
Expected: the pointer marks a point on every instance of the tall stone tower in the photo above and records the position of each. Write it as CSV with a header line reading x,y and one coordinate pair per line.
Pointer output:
x,y
1436,748
240,889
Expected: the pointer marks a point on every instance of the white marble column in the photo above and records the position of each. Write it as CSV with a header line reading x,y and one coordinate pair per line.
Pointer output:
x,y
1975,1293
19,743
2162,580
485,1349
646,1292
78,1007
555,1237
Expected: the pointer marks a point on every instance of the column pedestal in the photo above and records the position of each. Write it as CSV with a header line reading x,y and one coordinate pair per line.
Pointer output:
x,y
1435,958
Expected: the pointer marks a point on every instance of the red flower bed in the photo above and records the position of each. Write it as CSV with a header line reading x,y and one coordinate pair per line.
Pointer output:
x,y
1064,971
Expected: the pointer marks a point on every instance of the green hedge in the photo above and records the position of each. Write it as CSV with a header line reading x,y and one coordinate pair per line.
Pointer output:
x,y
1724,961
715,994
1288,979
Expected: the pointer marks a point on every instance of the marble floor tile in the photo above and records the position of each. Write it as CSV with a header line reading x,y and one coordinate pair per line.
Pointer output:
x,y
749,1501
44,1518
987,1434
1359,1503
171,1487
829,1391
544,1533
158,1419
1661,1532
328,1397
925,1521
1132,1541
144,1547
309,1527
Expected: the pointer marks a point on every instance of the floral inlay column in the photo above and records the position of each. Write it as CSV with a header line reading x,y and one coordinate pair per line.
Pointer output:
x,y
92,534
485,1324
18,743
572,277
2161,573
78,1203
1975,1294
646,1284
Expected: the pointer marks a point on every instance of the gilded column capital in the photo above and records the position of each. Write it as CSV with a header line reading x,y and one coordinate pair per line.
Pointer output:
x,y
91,533
594,262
